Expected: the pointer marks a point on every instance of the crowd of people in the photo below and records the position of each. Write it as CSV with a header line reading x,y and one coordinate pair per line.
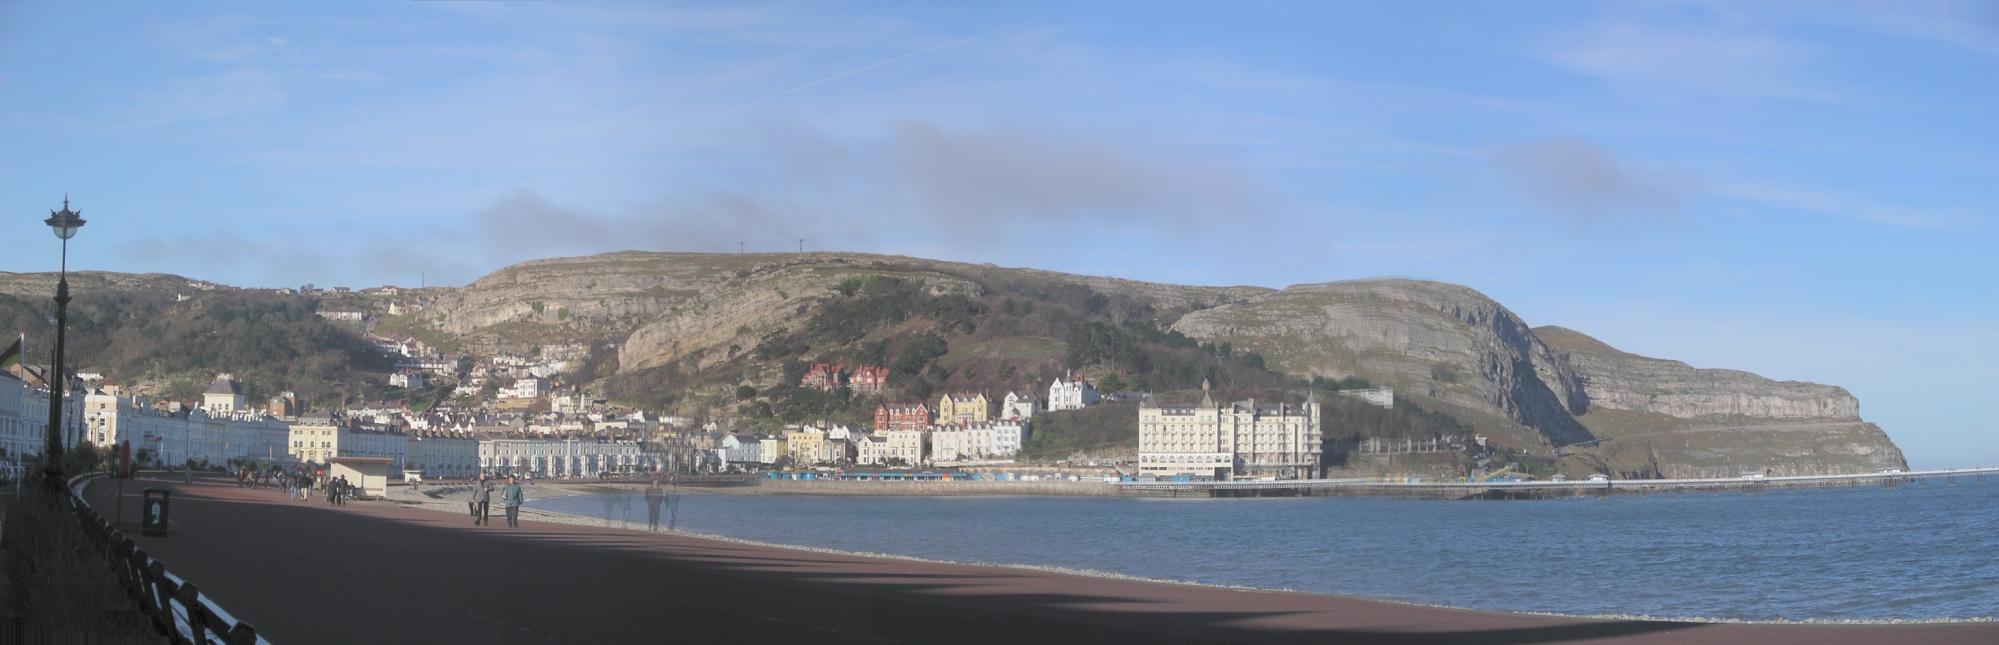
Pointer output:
x,y
298,483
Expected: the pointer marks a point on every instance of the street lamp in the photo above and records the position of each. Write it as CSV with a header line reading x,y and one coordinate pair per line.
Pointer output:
x,y
65,224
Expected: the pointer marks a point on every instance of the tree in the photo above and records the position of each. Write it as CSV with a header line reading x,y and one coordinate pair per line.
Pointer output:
x,y
745,392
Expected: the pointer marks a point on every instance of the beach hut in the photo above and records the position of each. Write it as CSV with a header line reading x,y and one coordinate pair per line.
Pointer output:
x,y
370,474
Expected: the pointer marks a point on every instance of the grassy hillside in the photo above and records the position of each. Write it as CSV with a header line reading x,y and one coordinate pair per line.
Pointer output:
x,y
272,342
1105,430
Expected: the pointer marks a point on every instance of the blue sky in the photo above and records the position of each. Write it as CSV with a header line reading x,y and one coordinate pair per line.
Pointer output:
x,y
1805,190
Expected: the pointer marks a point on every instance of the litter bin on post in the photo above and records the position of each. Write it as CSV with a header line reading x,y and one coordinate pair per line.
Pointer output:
x,y
153,518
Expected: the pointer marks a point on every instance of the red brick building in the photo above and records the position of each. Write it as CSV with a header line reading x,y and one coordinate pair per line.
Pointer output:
x,y
902,417
869,379
824,376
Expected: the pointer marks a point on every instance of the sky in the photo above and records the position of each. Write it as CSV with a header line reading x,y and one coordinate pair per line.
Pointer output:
x,y
1802,190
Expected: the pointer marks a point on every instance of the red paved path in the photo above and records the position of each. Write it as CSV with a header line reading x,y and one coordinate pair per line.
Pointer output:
x,y
376,573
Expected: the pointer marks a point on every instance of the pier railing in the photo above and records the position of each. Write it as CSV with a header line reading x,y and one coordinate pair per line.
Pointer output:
x,y
176,606
1368,486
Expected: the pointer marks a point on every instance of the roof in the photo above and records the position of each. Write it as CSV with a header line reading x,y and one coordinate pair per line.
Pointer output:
x,y
224,384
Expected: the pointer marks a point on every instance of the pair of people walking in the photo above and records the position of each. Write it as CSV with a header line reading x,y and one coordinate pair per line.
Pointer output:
x,y
511,497
655,499
337,491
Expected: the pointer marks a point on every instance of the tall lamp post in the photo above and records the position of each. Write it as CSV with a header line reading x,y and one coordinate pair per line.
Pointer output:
x,y
65,223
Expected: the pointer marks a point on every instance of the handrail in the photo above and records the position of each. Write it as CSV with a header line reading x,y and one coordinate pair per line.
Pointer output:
x,y
177,608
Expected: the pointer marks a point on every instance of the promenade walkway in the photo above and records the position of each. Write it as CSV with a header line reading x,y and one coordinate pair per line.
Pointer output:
x,y
307,572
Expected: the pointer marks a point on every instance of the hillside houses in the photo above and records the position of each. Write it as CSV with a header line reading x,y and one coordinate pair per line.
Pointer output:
x,y
863,379
823,376
1071,394
1019,406
902,417
963,408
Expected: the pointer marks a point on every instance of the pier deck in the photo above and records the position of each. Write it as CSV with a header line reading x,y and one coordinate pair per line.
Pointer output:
x,y
1454,489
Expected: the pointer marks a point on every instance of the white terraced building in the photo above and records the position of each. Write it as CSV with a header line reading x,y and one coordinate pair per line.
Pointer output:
x,y
320,439
976,442
216,433
444,454
1241,439
564,457
24,417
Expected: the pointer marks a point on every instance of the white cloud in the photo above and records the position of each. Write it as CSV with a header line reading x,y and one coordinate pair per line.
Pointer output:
x,y
1655,61
1850,207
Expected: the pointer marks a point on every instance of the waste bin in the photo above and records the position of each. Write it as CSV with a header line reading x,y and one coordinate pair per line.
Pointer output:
x,y
153,518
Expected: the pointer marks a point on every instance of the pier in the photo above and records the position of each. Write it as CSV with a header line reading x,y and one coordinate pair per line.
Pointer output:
x,y
1524,489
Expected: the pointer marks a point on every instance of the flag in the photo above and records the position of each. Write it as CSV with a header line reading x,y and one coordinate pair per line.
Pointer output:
x,y
11,356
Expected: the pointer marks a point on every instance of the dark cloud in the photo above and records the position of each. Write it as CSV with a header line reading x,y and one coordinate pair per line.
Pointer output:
x,y
1013,173
983,194
915,186
1580,180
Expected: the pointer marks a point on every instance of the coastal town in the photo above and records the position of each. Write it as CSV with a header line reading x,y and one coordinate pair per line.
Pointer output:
x,y
538,427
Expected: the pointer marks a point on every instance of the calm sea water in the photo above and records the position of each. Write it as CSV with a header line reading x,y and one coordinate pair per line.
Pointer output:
x,y
1919,551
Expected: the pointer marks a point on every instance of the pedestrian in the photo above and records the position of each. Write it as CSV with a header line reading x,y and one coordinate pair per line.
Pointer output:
x,y
482,498
654,497
511,496
305,487
673,504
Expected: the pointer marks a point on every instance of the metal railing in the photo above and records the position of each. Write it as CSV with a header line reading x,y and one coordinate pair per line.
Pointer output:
x,y
176,607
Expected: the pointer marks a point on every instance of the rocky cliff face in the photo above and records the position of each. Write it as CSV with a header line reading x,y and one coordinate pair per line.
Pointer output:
x,y
1668,418
1453,348
1438,342
1620,381
667,307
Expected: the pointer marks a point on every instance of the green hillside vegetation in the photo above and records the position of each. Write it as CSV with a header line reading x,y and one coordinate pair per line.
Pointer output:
x,y
1018,336
1106,429
270,342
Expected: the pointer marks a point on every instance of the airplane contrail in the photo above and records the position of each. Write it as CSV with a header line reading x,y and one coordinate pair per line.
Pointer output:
x,y
863,68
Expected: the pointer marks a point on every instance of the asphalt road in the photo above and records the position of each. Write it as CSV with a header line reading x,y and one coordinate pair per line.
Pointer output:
x,y
307,572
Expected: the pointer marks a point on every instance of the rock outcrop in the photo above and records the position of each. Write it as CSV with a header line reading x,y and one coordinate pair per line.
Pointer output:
x,y
1621,381
1438,342
1450,347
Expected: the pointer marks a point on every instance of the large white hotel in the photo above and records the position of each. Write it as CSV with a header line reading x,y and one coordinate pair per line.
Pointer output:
x,y
1233,441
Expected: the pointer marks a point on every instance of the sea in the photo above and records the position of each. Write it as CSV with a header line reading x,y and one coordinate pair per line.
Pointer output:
x,y
1918,551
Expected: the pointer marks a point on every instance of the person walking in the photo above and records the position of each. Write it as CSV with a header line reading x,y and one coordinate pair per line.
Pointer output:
x,y
482,498
673,504
305,487
654,497
511,496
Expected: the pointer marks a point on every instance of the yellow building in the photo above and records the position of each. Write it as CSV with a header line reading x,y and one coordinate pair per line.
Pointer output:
x,y
963,409
804,446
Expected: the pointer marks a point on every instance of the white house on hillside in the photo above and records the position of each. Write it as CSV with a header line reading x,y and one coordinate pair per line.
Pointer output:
x,y
1018,406
1071,395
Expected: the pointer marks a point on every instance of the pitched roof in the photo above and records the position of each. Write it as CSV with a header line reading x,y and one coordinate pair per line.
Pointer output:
x,y
224,384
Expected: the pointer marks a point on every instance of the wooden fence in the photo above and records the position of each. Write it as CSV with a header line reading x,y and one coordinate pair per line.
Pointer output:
x,y
176,607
